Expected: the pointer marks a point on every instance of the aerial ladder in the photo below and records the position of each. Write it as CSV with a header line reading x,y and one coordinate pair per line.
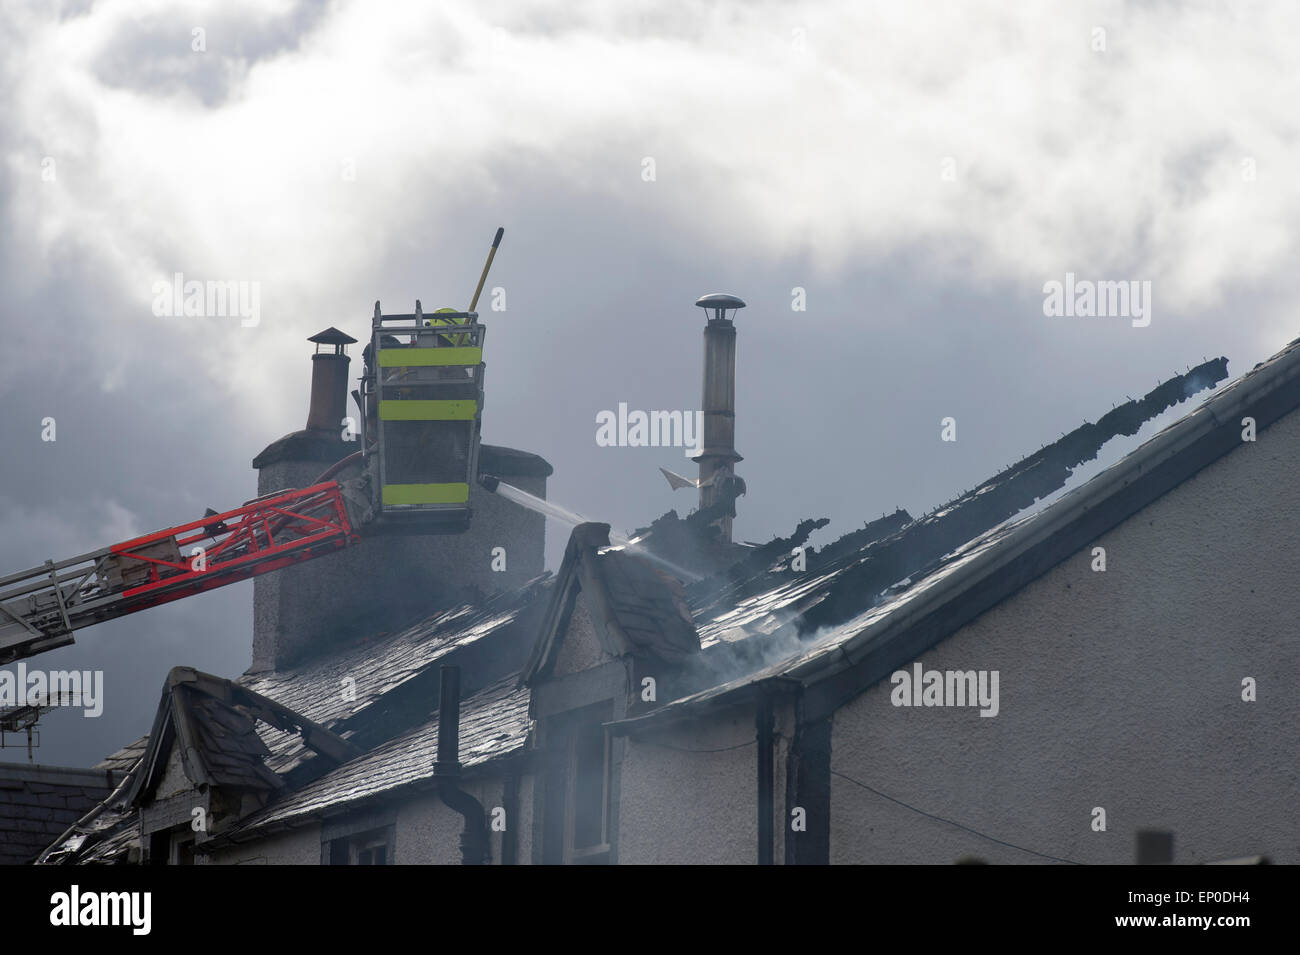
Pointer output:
x,y
421,404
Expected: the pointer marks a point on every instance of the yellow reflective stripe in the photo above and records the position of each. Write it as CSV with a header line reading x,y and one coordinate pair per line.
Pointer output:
x,y
445,410
425,494
414,357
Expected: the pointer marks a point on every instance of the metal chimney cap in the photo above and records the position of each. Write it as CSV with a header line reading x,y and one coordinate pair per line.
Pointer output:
x,y
332,336
719,300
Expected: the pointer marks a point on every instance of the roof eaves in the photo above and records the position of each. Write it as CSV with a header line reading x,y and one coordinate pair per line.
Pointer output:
x,y
744,694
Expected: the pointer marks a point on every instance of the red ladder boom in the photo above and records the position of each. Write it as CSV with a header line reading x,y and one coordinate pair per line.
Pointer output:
x,y
41,607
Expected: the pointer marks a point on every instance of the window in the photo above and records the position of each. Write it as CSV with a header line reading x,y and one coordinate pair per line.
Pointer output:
x,y
589,785
372,847
578,810
183,850
372,851
174,846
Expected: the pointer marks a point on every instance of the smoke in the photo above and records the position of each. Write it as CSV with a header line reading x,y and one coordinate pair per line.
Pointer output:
x,y
775,643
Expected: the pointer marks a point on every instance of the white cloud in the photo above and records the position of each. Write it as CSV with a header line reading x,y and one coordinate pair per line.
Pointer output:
x,y
778,129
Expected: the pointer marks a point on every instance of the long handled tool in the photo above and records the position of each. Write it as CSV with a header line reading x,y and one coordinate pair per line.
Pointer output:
x,y
487,265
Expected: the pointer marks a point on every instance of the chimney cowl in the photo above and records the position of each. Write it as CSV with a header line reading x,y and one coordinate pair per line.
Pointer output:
x,y
332,336
720,302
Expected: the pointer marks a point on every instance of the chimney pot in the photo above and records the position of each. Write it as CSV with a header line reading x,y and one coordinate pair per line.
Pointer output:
x,y
329,381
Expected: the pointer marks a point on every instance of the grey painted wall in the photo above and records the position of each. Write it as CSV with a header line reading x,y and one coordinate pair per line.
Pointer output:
x,y
295,847
427,833
683,803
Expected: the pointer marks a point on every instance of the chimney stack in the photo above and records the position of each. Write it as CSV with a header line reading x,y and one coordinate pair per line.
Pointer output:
x,y
386,581
718,457
329,381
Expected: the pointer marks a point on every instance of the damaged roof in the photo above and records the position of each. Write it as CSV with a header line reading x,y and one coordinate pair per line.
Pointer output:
x,y
213,724
639,607
874,599
494,724
856,616
368,696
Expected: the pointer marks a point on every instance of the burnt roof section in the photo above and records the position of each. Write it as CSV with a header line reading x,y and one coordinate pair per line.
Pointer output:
x,y
845,577
901,621
213,722
648,605
694,542
637,608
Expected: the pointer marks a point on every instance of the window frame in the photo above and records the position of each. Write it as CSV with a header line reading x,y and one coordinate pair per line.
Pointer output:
x,y
599,853
343,841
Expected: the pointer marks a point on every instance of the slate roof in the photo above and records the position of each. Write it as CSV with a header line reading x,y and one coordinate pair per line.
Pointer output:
x,y
103,835
385,670
494,724
377,667
649,605
125,758
38,803
213,723
393,684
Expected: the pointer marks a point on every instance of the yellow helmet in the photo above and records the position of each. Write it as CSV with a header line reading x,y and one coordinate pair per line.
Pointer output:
x,y
462,338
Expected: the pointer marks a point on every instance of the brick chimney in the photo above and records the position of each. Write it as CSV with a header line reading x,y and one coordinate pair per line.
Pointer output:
x,y
384,582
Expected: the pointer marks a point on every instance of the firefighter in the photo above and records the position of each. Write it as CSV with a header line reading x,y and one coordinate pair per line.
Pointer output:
x,y
455,340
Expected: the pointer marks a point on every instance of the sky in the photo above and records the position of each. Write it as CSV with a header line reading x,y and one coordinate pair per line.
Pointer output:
x,y
889,187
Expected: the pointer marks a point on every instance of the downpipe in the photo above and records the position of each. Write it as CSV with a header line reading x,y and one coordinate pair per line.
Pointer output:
x,y
446,771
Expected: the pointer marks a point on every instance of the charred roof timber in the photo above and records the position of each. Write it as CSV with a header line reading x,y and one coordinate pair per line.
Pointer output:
x,y
863,563
717,459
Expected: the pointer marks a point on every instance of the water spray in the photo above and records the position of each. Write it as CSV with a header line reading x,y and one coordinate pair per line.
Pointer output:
x,y
565,516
